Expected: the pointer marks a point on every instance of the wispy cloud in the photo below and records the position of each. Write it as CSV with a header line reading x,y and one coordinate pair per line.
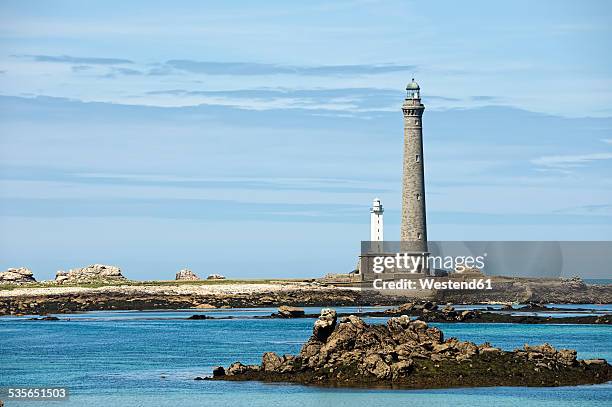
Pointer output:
x,y
483,98
251,68
600,209
362,99
67,59
334,99
563,162
81,68
118,71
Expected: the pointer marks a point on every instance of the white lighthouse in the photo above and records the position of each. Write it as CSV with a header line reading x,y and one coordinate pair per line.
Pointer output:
x,y
376,221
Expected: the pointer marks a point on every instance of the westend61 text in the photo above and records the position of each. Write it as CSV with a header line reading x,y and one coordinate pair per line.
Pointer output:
x,y
432,284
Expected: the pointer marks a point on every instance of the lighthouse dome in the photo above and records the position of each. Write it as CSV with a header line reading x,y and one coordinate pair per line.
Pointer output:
x,y
412,85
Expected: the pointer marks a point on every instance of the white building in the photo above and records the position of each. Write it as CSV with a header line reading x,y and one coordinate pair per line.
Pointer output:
x,y
376,221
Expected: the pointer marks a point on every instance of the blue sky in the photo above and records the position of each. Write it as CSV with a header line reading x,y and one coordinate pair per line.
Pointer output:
x,y
249,138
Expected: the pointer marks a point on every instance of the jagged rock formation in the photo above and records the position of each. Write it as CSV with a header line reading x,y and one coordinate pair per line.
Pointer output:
x,y
92,273
186,275
19,275
405,353
215,277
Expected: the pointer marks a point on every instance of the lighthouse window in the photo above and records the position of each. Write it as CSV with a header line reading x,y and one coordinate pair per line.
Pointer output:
x,y
419,236
418,197
416,121
418,158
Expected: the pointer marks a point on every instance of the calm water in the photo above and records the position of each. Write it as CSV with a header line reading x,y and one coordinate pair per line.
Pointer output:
x,y
151,358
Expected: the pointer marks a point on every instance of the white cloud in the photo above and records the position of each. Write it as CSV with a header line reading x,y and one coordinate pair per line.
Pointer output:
x,y
570,161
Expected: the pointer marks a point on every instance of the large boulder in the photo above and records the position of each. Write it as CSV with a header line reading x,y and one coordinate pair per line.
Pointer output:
x,y
215,277
19,275
92,273
186,275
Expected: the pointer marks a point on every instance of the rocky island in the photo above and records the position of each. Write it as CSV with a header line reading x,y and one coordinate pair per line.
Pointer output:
x,y
407,353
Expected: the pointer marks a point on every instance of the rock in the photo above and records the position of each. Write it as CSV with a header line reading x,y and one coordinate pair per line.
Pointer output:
x,y
410,353
90,274
448,308
567,356
205,306
215,277
61,277
285,311
19,276
235,368
199,316
467,314
45,318
325,325
401,368
377,366
186,275
218,371
590,362
200,377
270,361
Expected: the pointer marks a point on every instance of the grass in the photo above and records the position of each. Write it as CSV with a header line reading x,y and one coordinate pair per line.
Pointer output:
x,y
148,283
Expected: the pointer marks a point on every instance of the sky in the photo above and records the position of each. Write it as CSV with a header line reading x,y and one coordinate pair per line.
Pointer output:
x,y
249,138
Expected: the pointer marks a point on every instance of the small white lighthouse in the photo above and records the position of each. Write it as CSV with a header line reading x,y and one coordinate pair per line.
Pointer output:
x,y
376,221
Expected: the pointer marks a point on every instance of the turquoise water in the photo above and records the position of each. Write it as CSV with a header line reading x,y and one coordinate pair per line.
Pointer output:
x,y
151,358
600,281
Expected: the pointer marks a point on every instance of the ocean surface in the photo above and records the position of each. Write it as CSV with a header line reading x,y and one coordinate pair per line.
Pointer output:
x,y
132,358
600,281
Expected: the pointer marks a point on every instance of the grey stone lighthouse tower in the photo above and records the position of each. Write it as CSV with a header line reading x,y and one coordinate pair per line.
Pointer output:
x,y
413,231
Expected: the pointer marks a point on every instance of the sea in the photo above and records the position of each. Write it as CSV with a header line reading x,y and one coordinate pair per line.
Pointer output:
x,y
150,358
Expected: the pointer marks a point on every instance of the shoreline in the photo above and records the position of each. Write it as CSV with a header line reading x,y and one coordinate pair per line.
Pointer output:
x,y
152,295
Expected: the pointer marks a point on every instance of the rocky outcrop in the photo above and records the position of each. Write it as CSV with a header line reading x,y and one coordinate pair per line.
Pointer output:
x,y
19,276
409,353
89,274
200,316
186,275
215,277
431,312
285,311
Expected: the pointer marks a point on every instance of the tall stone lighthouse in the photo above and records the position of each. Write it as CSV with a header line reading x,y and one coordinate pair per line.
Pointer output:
x,y
413,232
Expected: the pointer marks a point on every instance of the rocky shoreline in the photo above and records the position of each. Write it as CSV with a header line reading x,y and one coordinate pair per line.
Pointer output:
x,y
59,299
408,353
